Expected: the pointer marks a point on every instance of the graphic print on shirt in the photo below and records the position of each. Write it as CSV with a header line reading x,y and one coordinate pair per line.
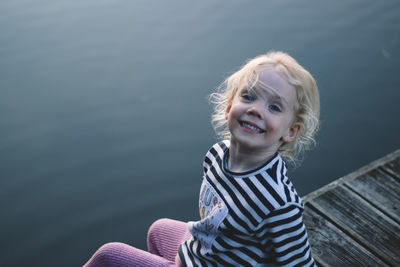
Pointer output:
x,y
212,212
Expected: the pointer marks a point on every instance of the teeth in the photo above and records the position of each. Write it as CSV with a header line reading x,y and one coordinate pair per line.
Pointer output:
x,y
251,127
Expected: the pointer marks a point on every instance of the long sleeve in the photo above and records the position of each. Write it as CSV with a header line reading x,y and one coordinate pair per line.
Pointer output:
x,y
283,234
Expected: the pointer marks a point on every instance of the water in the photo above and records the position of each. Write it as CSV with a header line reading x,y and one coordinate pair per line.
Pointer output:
x,y
104,119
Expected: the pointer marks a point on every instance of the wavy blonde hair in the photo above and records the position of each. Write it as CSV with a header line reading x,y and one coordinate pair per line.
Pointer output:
x,y
306,109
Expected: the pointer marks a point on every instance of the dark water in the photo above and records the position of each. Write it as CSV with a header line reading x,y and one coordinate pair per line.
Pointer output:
x,y
104,119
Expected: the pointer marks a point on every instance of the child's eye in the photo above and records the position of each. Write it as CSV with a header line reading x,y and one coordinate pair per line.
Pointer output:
x,y
247,97
275,108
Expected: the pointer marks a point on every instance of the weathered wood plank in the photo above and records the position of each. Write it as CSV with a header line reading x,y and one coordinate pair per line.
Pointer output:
x,y
393,167
355,220
392,161
380,189
362,222
331,247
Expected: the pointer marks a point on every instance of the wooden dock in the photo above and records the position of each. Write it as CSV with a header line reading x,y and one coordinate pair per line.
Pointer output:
x,y
355,221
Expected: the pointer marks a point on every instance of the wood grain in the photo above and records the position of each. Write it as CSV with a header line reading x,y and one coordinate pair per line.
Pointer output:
x,y
331,247
355,220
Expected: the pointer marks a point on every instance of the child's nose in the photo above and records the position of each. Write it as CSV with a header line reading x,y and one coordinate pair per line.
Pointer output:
x,y
255,110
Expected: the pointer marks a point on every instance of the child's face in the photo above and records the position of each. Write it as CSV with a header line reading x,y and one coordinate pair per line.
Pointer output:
x,y
262,119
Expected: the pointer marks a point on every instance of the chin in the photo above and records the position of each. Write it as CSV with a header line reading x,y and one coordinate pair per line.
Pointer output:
x,y
249,144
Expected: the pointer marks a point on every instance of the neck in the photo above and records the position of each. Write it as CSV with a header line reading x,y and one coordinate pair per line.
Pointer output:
x,y
242,161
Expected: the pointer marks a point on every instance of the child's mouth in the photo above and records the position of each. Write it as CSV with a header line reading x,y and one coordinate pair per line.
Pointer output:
x,y
251,127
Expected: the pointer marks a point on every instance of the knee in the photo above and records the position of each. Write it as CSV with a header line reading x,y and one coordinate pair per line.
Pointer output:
x,y
158,226
157,234
107,253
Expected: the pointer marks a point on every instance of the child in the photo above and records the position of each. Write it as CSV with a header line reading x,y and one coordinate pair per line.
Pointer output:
x,y
250,212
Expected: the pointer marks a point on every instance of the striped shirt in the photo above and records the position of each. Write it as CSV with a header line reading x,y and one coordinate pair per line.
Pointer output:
x,y
247,219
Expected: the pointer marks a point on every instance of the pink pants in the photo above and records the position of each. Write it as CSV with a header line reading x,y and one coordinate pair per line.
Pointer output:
x,y
163,240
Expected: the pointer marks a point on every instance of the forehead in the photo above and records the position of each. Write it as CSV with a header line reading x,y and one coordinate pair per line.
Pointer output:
x,y
270,81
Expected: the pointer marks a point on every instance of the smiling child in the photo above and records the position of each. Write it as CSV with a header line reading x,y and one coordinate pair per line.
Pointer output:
x,y
250,214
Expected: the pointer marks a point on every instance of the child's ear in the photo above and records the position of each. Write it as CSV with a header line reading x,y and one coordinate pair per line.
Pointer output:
x,y
228,109
291,133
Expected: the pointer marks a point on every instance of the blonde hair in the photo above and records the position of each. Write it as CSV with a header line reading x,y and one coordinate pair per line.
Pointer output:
x,y
306,108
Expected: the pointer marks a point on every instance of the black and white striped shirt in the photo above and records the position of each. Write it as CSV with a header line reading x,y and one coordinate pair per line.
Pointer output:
x,y
247,219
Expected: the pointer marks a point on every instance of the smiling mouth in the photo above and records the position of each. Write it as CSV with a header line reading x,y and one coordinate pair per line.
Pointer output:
x,y
251,127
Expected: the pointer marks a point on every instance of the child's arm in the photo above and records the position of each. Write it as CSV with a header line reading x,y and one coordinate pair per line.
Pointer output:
x,y
285,232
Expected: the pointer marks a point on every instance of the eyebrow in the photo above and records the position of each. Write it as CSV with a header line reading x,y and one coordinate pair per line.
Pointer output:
x,y
273,90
